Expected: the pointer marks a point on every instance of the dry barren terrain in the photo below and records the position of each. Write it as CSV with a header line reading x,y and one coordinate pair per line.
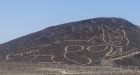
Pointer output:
x,y
61,69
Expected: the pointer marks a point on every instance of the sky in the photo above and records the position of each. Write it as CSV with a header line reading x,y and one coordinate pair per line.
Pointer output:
x,y
22,17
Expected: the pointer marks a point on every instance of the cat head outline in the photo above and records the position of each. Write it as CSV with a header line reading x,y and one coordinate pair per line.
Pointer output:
x,y
116,38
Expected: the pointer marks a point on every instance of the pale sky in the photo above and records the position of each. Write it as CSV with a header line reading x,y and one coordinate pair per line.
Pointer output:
x,y
21,17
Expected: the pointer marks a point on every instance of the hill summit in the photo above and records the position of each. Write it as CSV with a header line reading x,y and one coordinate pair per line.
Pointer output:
x,y
98,41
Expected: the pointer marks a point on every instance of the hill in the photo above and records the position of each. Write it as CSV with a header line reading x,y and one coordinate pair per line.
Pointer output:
x,y
98,41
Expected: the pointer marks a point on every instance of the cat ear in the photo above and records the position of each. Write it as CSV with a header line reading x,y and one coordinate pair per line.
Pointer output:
x,y
106,29
106,32
120,32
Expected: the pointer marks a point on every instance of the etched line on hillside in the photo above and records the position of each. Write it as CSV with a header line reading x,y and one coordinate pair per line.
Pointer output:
x,y
114,42
52,58
44,45
127,54
71,52
86,48
8,56
119,36
89,48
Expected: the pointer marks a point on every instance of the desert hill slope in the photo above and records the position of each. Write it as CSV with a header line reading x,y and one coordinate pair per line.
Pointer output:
x,y
98,41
